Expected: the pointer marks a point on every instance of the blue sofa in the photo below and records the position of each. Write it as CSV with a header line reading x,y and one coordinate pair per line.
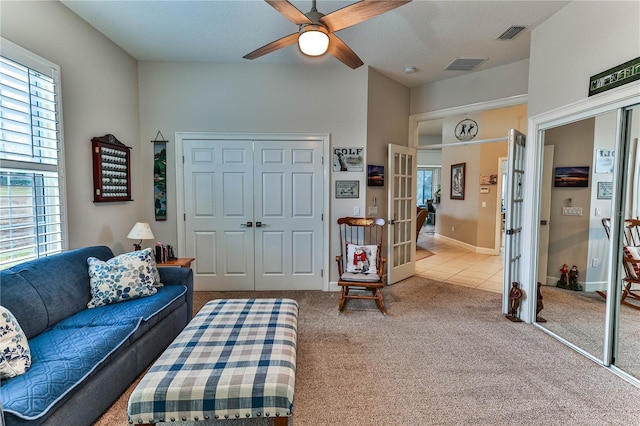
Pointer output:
x,y
83,359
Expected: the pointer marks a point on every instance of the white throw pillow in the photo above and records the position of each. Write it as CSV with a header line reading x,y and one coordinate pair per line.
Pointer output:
x,y
15,356
361,259
125,277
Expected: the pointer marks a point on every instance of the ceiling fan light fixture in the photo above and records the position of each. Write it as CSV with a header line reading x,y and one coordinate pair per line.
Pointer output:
x,y
313,40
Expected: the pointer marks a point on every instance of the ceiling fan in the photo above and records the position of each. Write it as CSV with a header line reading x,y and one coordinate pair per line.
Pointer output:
x,y
316,30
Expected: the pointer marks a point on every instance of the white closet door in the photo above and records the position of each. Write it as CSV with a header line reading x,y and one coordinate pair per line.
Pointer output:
x,y
288,207
253,214
218,185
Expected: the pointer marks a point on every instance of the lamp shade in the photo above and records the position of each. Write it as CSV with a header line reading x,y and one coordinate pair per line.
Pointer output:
x,y
313,40
141,231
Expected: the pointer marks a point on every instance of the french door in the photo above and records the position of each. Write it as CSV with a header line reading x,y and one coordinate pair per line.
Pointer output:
x,y
253,213
513,216
401,241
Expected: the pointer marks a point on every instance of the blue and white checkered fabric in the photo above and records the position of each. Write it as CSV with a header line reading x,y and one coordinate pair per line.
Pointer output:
x,y
235,359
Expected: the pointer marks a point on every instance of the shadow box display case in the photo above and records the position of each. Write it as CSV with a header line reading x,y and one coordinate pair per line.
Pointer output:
x,y
111,169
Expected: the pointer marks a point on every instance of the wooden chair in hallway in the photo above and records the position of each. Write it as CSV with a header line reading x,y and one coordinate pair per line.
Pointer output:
x,y
360,263
630,261
421,218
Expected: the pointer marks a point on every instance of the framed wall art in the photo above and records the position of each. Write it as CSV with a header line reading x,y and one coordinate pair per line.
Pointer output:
x,y
604,160
160,177
347,189
605,190
457,181
348,159
571,177
375,175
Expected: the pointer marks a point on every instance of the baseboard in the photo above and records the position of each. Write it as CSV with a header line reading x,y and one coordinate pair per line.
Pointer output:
x,y
589,287
466,246
594,286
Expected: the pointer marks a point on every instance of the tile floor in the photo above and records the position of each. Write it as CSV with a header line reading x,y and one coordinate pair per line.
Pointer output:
x,y
458,266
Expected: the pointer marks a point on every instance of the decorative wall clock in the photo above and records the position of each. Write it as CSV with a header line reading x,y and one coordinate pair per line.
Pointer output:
x,y
466,130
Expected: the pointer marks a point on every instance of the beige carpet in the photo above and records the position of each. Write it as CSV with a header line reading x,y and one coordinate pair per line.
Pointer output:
x,y
443,356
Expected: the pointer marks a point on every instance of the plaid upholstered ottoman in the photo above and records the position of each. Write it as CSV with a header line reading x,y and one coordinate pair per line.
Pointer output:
x,y
235,359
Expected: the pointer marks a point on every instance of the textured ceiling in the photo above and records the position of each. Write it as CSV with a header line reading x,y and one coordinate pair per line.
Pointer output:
x,y
425,34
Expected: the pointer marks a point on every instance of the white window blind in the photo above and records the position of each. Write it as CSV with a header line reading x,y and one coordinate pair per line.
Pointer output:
x,y
31,208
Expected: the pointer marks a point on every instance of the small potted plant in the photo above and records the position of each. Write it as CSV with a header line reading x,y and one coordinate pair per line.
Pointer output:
x,y
437,194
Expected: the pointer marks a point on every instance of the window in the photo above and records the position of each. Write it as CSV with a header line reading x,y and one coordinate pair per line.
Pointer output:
x,y
426,186
31,196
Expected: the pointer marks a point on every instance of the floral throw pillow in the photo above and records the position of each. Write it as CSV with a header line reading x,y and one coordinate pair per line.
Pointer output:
x,y
361,259
125,277
15,356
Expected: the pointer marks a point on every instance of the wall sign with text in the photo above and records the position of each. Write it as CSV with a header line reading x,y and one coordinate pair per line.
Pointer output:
x,y
614,77
348,159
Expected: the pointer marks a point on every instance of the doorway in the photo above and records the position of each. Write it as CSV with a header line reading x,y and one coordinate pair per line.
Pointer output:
x,y
253,211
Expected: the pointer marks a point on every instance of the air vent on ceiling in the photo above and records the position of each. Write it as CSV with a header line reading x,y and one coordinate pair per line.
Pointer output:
x,y
464,64
511,32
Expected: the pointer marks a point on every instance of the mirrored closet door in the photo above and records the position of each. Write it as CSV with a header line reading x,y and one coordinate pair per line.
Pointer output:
x,y
589,183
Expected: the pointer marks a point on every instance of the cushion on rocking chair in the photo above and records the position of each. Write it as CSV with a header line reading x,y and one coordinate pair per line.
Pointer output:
x,y
355,277
362,258
634,267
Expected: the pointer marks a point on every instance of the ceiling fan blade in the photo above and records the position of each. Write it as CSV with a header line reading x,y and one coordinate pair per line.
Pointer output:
x,y
289,11
343,53
273,46
359,12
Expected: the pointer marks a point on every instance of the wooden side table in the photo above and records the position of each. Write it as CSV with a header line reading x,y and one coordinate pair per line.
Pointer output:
x,y
183,262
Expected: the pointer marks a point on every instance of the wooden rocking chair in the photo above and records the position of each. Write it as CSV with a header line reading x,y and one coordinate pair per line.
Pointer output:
x,y
361,264
630,261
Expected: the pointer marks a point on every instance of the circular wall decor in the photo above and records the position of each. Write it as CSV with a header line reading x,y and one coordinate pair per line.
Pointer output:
x,y
466,130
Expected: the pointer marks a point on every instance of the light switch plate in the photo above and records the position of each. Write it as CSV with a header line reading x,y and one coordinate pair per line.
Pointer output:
x,y
572,211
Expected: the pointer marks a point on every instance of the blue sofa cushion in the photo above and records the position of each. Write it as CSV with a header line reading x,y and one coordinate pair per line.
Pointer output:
x,y
53,287
69,352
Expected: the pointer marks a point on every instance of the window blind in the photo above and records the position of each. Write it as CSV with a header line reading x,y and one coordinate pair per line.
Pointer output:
x,y
31,209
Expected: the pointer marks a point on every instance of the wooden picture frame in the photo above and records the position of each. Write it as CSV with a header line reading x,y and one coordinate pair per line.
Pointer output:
x,y
347,189
457,181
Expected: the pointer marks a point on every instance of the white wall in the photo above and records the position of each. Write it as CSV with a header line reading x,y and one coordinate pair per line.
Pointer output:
x,y
387,114
581,40
481,86
248,98
604,138
99,96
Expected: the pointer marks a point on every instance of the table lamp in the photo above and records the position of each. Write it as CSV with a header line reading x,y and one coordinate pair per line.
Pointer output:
x,y
140,231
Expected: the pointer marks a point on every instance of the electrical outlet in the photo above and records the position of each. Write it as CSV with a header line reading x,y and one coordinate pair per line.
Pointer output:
x,y
356,211
595,262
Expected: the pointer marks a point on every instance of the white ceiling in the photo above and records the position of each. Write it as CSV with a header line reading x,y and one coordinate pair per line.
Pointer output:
x,y
425,34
